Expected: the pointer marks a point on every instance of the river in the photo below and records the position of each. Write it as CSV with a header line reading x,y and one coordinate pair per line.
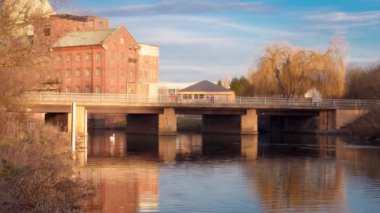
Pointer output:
x,y
230,173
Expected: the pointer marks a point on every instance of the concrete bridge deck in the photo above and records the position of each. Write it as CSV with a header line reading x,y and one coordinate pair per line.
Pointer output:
x,y
64,100
240,115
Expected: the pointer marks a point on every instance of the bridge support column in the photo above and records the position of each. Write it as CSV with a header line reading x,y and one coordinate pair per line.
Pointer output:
x,y
167,122
77,121
327,121
249,122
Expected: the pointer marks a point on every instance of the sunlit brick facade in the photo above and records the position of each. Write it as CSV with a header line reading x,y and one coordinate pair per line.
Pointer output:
x,y
88,57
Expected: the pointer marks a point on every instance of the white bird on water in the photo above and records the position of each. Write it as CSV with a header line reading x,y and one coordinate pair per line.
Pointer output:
x,y
112,138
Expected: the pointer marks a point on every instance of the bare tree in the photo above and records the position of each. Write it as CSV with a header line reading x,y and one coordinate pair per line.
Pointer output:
x,y
36,170
290,72
21,62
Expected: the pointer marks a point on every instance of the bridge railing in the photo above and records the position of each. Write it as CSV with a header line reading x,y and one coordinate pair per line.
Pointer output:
x,y
174,100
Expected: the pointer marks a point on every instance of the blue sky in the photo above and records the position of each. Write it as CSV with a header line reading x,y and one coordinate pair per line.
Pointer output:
x,y
207,39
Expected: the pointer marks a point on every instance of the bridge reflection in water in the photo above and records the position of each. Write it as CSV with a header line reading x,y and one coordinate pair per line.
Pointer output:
x,y
273,173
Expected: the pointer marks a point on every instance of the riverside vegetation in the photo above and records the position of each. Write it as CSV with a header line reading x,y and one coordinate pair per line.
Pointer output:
x,y
37,173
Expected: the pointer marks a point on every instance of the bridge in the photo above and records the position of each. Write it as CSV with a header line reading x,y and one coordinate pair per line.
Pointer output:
x,y
240,115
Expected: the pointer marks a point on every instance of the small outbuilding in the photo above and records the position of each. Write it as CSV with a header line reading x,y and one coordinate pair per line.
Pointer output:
x,y
205,91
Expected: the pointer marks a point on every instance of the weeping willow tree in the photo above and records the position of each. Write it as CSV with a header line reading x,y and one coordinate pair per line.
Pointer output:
x,y
291,72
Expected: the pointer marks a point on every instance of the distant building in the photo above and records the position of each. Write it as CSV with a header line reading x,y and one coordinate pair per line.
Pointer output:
x,y
205,91
88,57
166,88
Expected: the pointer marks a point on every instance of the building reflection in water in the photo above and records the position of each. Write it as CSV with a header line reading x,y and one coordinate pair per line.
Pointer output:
x,y
293,176
283,173
124,168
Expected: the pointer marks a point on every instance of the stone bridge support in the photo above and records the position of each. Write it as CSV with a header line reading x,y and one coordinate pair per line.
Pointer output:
x,y
161,124
77,126
249,122
327,121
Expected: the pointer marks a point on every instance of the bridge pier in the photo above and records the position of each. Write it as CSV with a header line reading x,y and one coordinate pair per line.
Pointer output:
x,y
249,122
161,124
77,126
167,122
327,121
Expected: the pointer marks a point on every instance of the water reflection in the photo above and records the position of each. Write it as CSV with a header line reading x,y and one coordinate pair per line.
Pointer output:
x,y
171,148
199,173
297,174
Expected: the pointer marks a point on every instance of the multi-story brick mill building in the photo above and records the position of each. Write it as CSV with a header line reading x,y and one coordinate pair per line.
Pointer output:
x,y
88,57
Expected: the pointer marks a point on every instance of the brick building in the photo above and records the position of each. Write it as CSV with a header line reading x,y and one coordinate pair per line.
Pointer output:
x,y
88,57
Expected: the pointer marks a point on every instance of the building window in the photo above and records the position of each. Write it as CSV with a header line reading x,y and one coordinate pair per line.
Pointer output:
x,y
77,57
196,96
98,56
88,89
68,58
201,96
187,96
132,60
59,58
88,72
88,56
98,72
90,24
68,73
100,23
58,75
97,89
47,30
77,73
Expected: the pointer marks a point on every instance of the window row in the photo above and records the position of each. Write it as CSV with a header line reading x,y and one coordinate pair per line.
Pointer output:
x,y
78,57
87,89
87,73
195,96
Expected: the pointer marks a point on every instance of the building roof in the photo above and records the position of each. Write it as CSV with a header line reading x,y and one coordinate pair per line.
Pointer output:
x,y
205,86
70,17
83,38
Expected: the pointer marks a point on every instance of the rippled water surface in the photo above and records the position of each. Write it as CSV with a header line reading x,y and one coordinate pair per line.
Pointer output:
x,y
222,173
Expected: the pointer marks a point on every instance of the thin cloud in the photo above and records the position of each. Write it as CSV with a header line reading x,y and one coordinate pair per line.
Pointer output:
x,y
182,7
343,20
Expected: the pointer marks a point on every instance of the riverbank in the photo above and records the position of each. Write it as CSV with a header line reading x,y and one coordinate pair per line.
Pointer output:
x,y
367,128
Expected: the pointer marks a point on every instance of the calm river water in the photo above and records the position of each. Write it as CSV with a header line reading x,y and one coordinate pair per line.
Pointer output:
x,y
222,173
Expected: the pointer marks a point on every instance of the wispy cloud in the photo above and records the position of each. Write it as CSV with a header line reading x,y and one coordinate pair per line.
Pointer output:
x,y
183,7
344,20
